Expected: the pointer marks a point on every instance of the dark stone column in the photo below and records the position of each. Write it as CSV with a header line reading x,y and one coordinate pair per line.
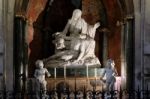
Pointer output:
x,y
20,54
129,51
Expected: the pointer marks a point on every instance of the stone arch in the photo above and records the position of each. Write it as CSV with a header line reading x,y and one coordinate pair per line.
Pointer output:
x,y
125,9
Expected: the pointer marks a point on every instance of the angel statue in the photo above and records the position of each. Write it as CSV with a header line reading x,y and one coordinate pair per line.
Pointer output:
x,y
39,74
110,74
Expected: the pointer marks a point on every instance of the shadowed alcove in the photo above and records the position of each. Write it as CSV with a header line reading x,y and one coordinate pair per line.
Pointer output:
x,y
45,18
54,17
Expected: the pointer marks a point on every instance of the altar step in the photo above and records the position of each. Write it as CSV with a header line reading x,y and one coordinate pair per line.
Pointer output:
x,y
79,83
76,72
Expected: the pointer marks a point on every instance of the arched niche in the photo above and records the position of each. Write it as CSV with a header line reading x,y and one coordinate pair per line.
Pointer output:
x,y
43,19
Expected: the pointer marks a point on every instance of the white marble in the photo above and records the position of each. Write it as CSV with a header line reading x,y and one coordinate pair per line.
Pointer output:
x,y
77,49
39,74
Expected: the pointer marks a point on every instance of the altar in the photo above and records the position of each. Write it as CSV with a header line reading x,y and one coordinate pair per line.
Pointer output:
x,y
76,72
76,78
73,79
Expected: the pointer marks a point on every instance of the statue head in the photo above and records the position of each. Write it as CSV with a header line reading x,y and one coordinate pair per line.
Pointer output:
x,y
76,14
110,63
39,64
59,41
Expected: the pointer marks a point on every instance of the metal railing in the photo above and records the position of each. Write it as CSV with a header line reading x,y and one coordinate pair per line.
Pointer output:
x,y
78,94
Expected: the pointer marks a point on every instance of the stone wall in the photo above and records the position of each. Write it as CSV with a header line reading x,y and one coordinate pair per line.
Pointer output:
x,y
6,43
142,43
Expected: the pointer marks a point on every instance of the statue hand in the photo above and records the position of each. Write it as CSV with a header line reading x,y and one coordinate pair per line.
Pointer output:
x,y
78,61
62,35
49,75
74,61
97,25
